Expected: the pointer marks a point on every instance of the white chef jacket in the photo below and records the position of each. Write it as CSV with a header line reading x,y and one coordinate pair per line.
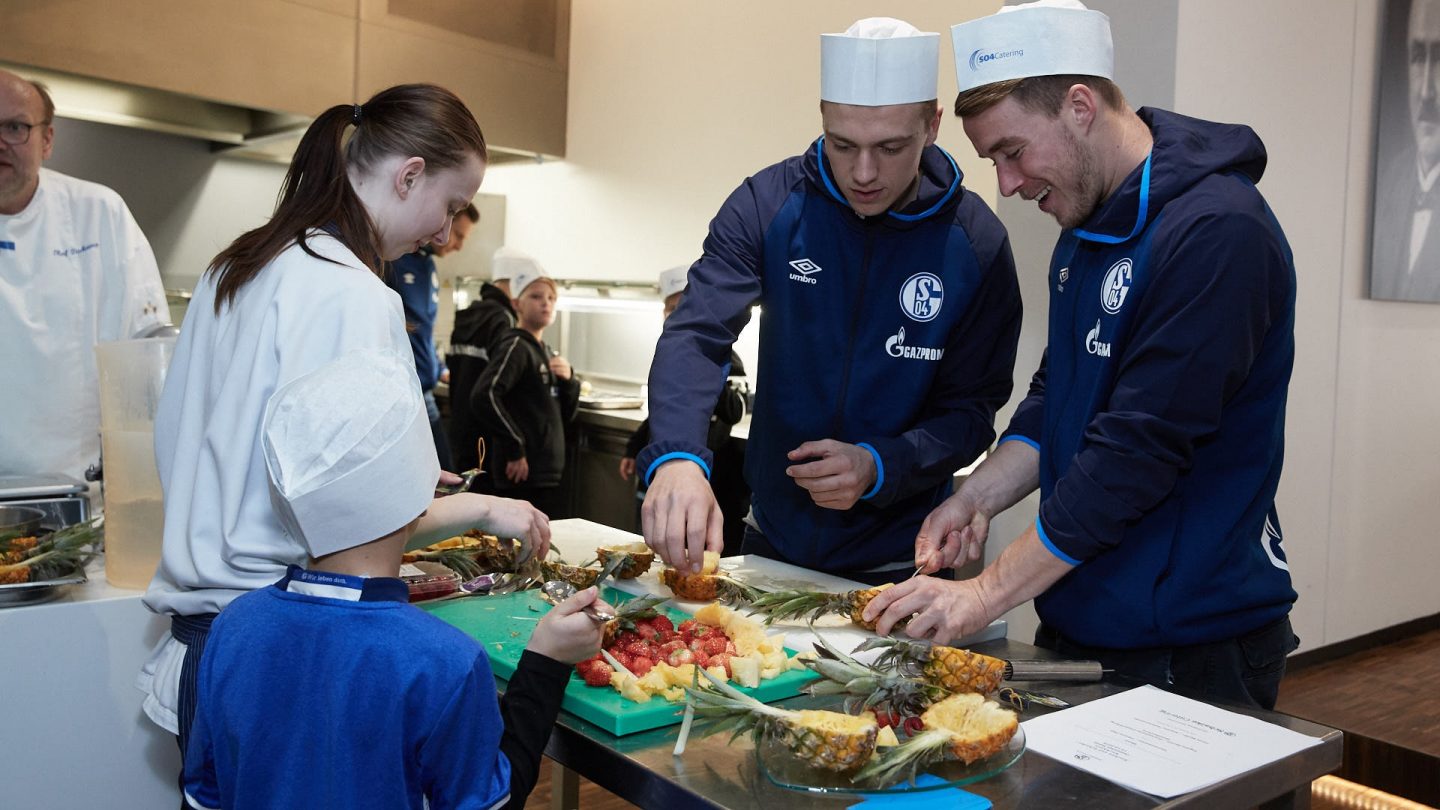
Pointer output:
x,y
222,536
75,270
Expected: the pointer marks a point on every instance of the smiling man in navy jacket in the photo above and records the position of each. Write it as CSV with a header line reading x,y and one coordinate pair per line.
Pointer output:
x,y
1155,425
891,317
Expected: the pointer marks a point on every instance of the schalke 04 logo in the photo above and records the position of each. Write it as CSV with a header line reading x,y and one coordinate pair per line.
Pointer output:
x,y
1116,286
921,296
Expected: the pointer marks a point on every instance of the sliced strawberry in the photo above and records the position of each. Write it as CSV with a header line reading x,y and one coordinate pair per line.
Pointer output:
x,y
599,674
641,665
714,645
680,657
721,660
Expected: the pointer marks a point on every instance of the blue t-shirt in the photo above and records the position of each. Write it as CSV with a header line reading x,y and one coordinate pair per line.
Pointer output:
x,y
413,276
326,690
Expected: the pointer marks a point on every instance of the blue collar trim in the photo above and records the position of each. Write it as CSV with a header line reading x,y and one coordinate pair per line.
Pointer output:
x,y
1140,216
835,192
343,586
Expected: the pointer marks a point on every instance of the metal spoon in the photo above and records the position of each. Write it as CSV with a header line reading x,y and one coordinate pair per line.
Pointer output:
x,y
558,590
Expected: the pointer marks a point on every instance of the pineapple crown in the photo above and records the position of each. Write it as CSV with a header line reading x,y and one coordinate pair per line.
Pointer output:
x,y
903,655
844,675
902,762
781,605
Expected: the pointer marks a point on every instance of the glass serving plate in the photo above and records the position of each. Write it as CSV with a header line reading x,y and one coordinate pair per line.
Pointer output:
x,y
786,771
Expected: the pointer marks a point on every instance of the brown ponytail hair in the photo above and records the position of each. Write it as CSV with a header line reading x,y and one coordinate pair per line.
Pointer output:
x,y
414,120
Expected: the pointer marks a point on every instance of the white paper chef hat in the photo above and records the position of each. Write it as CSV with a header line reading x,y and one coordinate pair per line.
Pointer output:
x,y
507,262
879,61
674,280
349,451
527,276
1045,38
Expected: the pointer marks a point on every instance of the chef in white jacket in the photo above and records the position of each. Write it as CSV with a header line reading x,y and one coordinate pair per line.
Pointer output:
x,y
75,270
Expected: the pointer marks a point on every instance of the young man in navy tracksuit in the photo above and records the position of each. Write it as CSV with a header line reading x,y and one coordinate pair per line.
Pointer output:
x,y
891,315
1155,425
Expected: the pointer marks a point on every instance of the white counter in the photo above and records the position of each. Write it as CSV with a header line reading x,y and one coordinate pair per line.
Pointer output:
x,y
73,732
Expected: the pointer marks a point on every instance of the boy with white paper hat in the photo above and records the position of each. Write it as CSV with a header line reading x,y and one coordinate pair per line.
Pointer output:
x,y
283,720
526,398
1155,426
892,313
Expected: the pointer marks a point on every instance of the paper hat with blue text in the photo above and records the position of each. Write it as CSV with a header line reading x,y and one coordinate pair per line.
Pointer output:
x,y
674,280
879,61
1045,38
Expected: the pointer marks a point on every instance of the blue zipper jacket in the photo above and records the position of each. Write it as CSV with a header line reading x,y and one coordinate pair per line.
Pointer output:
x,y
1159,408
413,277
895,332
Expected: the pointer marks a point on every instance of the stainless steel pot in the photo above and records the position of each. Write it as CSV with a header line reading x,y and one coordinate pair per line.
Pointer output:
x,y
23,519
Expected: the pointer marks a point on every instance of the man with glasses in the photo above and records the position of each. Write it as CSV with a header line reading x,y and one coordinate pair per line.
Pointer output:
x,y
74,270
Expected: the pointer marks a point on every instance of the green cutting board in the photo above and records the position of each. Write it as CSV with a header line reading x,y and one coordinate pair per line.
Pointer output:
x,y
503,625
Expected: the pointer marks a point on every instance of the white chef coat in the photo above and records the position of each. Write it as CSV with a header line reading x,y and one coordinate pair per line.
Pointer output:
x,y
75,270
222,535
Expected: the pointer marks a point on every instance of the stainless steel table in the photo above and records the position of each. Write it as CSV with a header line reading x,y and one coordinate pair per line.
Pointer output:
x,y
714,773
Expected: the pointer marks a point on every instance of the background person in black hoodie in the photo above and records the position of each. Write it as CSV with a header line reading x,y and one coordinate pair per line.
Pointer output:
x,y
524,399
477,328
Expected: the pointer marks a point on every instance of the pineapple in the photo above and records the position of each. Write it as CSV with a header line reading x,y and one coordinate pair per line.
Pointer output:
x,y
968,727
636,559
641,607
781,605
949,668
470,554
868,686
705,587
579,576
826,740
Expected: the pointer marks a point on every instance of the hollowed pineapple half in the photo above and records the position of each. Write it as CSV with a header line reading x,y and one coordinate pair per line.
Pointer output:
x,y
976,727
830,741
637,559
968,727
581,578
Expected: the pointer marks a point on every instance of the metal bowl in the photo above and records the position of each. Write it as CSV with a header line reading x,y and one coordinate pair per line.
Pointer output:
x,y
23,519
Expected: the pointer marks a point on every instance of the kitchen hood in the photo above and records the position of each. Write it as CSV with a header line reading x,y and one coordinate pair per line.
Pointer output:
x,y
242,131
237,131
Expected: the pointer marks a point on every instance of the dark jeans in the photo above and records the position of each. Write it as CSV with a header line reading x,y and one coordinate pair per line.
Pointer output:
x,y
1242,671
754,542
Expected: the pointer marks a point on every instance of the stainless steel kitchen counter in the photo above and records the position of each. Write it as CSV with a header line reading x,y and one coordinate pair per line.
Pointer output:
x,y
715,773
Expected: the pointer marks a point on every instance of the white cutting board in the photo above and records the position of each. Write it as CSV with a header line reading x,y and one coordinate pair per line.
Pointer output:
x,y
576,540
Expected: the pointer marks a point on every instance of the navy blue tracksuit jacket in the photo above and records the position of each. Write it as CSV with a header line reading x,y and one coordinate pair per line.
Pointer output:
x,y
1159,409
896,332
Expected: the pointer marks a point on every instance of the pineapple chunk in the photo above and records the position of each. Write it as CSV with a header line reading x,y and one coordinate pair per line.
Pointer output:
x,y
711,563
719,673
886,738
715,615
674,694
655,680
746,670
679,676
766,673
629,687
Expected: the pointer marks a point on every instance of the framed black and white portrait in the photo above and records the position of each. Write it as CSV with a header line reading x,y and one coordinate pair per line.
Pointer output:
x,y
1405,232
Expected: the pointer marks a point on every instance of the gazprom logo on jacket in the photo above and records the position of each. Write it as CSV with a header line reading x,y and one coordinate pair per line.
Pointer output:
x,y
983,57
1116,286
921,296
895,347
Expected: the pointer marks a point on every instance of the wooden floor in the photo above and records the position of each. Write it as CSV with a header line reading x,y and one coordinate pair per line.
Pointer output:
x,y
1387,701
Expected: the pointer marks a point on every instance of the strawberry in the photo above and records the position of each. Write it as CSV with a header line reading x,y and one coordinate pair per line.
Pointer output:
x,y
672,645
914,725
720,660
663,624
637,649
701,659
599,674
714,645
624,658
641,665
702,631
646,631
626,637
730,647
680,657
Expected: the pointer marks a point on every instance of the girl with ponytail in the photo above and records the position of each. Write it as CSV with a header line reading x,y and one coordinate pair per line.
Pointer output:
x,y
368,183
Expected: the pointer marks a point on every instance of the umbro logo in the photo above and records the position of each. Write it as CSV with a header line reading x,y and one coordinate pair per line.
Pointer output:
x,y
805,270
